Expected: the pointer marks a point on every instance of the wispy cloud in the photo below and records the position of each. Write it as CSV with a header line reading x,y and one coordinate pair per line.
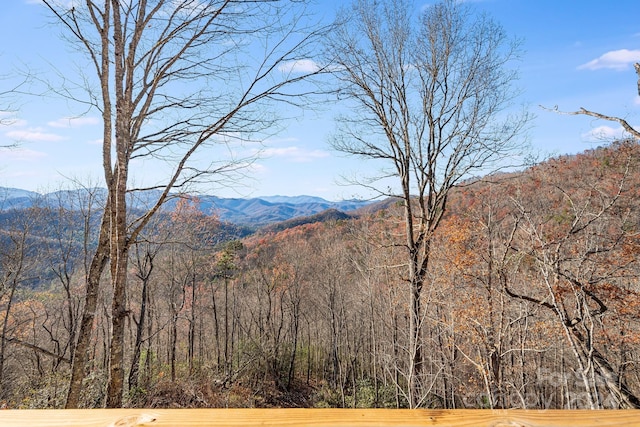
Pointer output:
x,y
8,118
20,154
299,66
14,123
294,154
605,134
255,168
33,135
72,122
618,60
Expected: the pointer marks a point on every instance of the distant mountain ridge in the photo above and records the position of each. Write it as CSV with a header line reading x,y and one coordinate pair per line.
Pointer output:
x,y
294,200
255,212
324,216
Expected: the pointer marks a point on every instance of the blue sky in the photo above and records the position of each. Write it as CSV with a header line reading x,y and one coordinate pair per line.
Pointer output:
x,y
577,54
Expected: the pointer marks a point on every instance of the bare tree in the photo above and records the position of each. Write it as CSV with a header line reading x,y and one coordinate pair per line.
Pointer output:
x,y
635,133
177,82
18,267
143,255
579,256
429,98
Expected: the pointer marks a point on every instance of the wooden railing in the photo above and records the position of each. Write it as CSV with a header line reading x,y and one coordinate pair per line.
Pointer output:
x,y
316,417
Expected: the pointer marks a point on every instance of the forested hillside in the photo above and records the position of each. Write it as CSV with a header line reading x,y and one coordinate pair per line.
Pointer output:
x,y
532,300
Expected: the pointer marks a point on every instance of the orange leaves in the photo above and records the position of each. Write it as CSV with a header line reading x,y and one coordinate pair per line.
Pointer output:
x,y
457,237
22,317
186,207
631,246
625,302
189,219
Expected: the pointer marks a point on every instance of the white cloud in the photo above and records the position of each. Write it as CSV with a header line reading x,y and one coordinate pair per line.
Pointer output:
x,y
33,135
255,168
16,122
72,122
299,66
618,60
294,154
20,154
605,134
8,118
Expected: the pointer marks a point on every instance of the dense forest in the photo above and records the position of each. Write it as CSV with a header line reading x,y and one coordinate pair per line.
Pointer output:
x,y
532,301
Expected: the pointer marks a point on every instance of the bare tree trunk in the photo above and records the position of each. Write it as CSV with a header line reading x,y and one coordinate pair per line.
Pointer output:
x,y
119,313
173,343
192,320
137,348
81,355
295,308
227,355
144,274
415,346
418,248
216,325
119,256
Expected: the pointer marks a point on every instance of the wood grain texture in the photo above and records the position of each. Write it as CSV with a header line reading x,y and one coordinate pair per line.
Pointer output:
x,y
316,417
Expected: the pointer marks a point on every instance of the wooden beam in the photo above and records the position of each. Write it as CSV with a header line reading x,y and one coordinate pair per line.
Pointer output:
x,y
316,417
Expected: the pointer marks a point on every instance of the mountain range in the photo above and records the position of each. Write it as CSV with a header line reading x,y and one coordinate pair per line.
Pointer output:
x,y
254,212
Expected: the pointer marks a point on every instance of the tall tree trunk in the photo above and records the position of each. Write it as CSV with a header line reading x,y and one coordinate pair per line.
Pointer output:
x,y
101,256
294,348
117,186
192,320
80,354
415,349
227,354
118,317
119,250
137,348
418,255
173,343
216,325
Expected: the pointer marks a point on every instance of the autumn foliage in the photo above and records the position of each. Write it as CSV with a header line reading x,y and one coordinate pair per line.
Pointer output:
x,y
533,301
